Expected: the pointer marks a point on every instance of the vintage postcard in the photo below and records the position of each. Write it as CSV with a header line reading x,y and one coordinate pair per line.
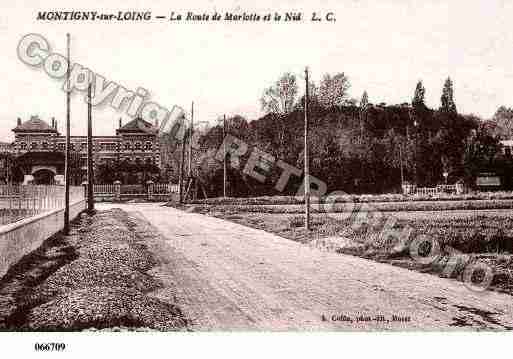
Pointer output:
x,y
168,168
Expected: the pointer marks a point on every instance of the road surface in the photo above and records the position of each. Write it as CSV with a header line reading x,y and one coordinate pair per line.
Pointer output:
x,y
231,277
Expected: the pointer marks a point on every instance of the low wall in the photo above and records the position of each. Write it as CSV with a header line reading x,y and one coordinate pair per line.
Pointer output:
x,y
22,237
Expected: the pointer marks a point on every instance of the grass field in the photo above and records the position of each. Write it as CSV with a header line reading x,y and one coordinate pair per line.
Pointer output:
x,y
350,207
360,198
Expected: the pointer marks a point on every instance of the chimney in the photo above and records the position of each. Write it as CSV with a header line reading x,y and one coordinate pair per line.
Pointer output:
x,y
53,122
120,122
19,121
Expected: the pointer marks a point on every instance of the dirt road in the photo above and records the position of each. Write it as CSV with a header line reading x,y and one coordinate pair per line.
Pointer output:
x,y
230,277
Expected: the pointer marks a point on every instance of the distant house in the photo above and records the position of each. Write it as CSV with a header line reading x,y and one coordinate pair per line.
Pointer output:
x,y
499,175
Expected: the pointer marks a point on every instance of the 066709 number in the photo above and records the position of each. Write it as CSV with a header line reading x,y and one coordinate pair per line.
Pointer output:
x,y
49,347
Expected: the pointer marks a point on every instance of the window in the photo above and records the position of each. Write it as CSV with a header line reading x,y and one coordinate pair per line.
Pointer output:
x,y
61,146
33,146
138,146
23,146
507,151
128,147
148,146
109,146
44,145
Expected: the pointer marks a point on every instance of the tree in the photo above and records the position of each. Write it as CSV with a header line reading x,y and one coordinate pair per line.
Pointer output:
x,y
364,104
314,99
503,120
480,152
447,99
333,90
418,97
281,97
280,100
7,166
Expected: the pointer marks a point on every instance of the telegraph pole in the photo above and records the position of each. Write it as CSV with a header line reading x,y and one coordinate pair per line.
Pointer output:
x,y
182,160
224,158
190,141
90,181
66,155
401,162
307,169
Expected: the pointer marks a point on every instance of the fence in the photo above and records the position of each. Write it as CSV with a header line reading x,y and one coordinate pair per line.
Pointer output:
x,y
18,201
433,191
447,188
119,192
23,236
426,191
31,214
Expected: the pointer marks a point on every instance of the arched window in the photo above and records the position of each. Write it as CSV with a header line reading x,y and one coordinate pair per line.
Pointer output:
x,y
128,147
23,146
148,146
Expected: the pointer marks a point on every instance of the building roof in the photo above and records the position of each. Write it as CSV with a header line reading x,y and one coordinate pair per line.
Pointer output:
x,y
35,124
138,125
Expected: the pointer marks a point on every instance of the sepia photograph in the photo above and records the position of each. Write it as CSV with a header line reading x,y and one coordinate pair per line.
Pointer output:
x,y
170,170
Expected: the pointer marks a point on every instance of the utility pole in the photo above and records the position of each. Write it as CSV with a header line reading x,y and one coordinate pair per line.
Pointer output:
x,y
90,181
182,160
415,151
224,158
401,163
307,169
189,174
66,155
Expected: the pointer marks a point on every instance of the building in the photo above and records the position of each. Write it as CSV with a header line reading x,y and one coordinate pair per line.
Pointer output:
x,y
507,146
39,149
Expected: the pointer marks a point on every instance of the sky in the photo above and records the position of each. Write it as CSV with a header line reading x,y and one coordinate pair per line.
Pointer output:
x,y
384,47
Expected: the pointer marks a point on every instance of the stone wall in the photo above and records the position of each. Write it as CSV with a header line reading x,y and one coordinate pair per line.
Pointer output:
x,y
20,238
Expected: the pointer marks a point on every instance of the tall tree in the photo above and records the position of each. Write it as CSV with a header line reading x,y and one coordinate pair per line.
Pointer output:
x,y
418,107
447,100
280,100
364,101
418,96
281,97
364,104
333,90
503,121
